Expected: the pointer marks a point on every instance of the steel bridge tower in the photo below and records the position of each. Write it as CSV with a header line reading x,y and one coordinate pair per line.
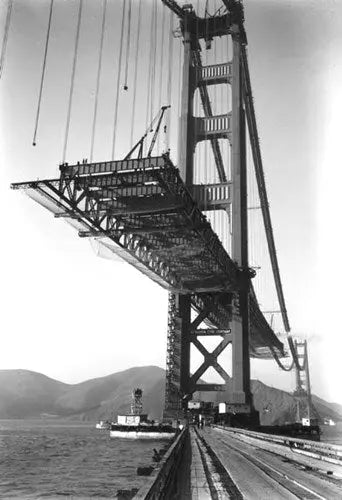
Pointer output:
x,y
149,213
302,393
182,331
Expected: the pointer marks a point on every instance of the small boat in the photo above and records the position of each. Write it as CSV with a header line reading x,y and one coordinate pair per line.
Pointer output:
x,y
328,421
136,424
103,425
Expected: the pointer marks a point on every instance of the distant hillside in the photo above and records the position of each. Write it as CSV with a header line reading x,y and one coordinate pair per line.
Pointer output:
x,y
105,396
277,407
26,394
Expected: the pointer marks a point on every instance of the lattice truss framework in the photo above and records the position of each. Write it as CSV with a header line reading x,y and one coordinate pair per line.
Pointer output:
x,y
142,211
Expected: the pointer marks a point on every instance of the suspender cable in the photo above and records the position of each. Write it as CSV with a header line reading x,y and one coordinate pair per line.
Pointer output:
x,y
104,7
42,75
128,43
149,71
154,46
135,74
72,79
5,37
118,80
169,83
161,60
179,83
196,168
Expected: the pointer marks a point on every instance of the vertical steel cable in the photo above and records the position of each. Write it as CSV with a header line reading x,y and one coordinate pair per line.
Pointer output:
x,y
72,80
149,75
118,80
179,80
196,174
161,60
153,75
214,92
104,7
135,75
5,37
179,96
207,158
128,42
43,73
169,82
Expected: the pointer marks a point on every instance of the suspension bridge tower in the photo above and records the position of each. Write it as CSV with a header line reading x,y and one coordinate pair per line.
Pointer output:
x,y
155,215
229,126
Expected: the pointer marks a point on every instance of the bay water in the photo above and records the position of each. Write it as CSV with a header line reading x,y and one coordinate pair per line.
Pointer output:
x,y
63,459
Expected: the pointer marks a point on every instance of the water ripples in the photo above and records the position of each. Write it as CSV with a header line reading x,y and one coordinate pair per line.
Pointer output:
x,y
49,459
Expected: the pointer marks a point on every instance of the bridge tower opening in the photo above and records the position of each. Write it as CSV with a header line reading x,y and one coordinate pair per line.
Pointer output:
x,y
183,328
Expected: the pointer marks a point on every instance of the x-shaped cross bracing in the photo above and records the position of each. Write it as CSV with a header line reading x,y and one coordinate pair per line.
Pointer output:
x,y
210,358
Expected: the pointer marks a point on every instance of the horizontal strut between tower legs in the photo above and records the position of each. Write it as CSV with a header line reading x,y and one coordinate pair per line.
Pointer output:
x,y
214,74
212,196
216,126
210,387
238,408
209,27
206,332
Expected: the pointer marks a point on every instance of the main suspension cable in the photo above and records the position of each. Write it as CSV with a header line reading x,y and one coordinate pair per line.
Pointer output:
x,y
42,75
5,37
118,80
104,7
279,363
72,80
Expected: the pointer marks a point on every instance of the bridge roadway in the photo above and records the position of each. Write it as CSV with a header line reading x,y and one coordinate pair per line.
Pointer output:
x,y
141,210
226,465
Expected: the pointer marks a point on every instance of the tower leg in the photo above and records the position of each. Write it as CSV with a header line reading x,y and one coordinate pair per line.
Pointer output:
x,y
241,398
184,311
178,356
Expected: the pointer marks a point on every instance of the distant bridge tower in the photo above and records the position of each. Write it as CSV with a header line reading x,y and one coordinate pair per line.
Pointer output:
x,y
180,383
303,388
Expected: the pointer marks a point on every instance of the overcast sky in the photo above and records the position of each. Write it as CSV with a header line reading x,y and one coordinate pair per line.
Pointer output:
x,y
73,316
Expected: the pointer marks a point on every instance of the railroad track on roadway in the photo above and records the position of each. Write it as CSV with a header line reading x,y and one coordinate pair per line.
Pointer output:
x,y
222,485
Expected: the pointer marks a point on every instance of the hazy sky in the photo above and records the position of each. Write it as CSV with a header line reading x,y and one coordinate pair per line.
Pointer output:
x,y
73,316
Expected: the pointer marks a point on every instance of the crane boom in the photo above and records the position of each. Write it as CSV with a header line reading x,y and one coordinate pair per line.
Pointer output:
x,y
173,5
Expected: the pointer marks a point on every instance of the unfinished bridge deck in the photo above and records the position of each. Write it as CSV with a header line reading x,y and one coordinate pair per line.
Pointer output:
x,y
140,210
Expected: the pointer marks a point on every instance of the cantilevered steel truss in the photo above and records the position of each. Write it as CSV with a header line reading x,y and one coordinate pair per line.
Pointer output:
x,y
141,210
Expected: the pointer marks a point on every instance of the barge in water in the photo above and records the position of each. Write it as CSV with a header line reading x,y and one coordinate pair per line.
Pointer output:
x,y
136,424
